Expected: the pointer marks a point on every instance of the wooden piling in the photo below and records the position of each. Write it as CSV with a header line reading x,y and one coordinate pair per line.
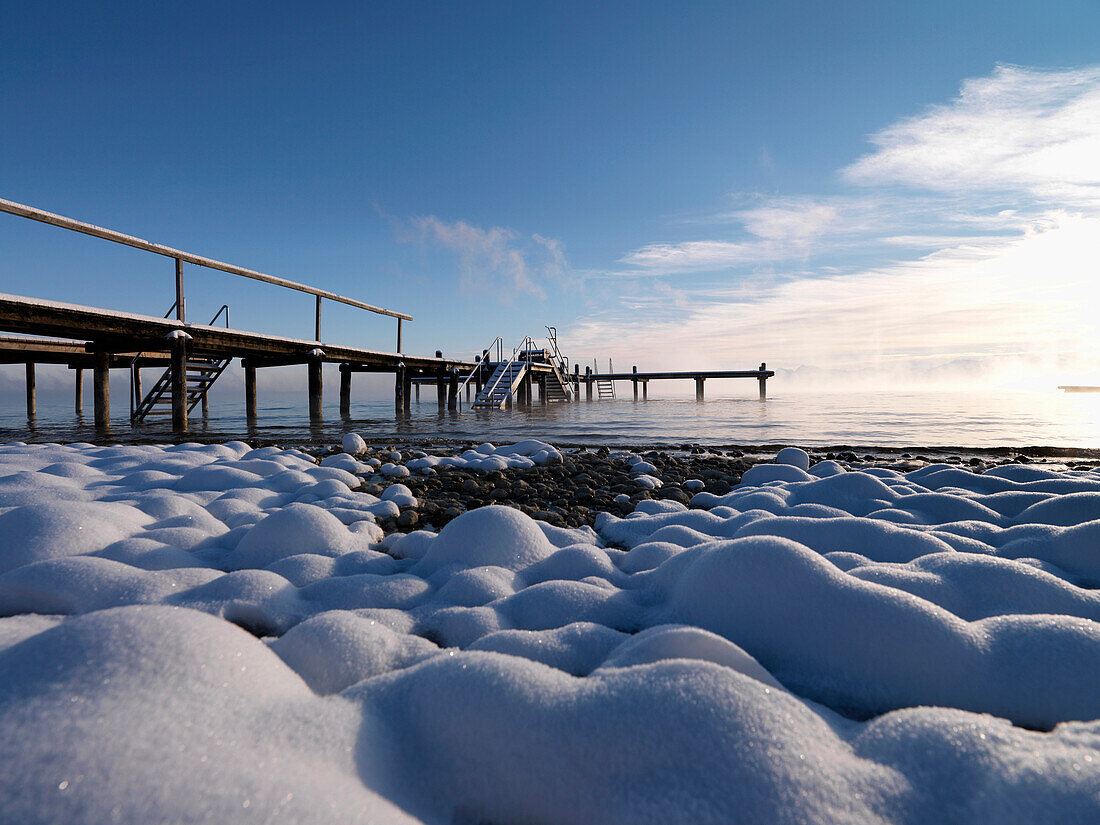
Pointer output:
x,y
699,389
441,390
138,395
452,390
406,377
588,383
250,392
101,389
763,379
645,390
316,390
634,381
345,391
79,391
32,406
179,383
399,386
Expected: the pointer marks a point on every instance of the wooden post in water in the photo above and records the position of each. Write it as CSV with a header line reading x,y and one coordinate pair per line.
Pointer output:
x,y
588,383
79,391
399,386
634,381
345,390
32,406
138,396
205,404
316,387
645,390
406,392
699,389
763,383
101,389
452,390
576,382
542,390
250,392
179,381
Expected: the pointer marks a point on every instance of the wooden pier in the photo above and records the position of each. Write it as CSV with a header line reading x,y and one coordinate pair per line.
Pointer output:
x,y
102,339
192,356
640,380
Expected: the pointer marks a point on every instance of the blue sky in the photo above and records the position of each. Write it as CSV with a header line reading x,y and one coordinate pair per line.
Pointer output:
x,y
907,190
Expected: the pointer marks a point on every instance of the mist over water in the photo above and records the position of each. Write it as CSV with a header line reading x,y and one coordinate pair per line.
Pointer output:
x,y
888,419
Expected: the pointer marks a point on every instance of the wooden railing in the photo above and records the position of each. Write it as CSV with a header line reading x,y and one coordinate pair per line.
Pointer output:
x,y
182,257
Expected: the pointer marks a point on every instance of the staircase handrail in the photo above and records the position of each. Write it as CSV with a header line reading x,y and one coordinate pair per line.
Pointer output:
x,y
504,366
497,342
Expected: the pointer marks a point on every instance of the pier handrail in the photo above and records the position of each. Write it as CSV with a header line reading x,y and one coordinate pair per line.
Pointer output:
x,y
497,342
42,216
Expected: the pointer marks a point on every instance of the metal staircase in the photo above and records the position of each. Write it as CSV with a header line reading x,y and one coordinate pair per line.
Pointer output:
x,y
505,378
558,385
547,363
201,374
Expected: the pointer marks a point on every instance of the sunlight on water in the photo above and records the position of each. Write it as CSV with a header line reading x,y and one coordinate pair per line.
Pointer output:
x,y
887,419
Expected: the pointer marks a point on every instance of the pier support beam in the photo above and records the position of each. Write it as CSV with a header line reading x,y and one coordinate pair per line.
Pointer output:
x,y
441,390
699,389
763,384
79,391
205,404
587,383
250,392
316,389
101,389
32,406
406,393
179,383
645,390
576,382
452,390
399,387
634,381
345,391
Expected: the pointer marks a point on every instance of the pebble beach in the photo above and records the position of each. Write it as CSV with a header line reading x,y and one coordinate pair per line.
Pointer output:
x,y
466,632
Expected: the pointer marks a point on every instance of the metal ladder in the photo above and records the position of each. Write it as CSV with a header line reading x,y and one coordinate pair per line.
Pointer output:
x,y
604,387
201,374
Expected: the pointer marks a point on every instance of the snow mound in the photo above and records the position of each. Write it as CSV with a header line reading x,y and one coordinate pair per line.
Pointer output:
x,y
208,632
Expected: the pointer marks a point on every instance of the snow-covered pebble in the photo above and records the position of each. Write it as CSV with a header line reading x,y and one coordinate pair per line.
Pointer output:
x,y
354,444
394,470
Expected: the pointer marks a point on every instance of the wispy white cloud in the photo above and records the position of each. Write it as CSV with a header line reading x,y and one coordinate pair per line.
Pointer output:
x,y
972,235
972,302
498,259
1017,130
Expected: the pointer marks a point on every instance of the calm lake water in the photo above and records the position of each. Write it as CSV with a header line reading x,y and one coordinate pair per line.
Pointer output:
x,y
986,419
